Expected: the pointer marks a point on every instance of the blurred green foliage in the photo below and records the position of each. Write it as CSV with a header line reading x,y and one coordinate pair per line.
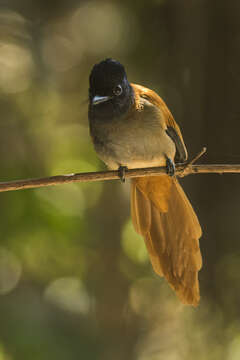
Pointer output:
x,y
75,280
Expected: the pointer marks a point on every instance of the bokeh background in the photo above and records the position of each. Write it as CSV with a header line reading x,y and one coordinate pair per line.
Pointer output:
x,y
75,280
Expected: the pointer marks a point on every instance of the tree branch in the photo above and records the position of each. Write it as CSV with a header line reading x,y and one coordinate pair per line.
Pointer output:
x,y
181,170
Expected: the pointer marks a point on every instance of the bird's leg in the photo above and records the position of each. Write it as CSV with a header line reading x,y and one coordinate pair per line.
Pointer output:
x,y
170,167
122,172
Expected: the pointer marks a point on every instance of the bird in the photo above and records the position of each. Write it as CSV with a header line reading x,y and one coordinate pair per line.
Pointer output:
x,y
132,127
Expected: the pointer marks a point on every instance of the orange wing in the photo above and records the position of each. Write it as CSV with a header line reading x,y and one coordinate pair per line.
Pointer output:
x,y
172,127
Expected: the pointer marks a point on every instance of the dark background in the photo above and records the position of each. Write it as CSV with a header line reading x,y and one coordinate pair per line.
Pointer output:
x,y
75,280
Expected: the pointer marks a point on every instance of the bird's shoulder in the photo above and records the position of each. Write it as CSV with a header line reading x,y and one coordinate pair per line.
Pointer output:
x,y
142,93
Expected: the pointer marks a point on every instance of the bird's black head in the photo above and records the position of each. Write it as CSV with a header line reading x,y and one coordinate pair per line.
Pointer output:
x,y
110,94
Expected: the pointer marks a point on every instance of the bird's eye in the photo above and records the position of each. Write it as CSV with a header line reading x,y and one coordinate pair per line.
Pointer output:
x,y
117,90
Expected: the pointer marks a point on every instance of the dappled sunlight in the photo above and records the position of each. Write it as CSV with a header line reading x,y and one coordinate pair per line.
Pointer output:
x,y
133,244
3,353
69,294
10,271
60,53
68,201
234,349
227,276
16,61
109,27
48,254
16,68
151,297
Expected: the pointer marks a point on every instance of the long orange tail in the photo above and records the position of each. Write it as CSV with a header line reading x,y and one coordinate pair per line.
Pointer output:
x,y
162,213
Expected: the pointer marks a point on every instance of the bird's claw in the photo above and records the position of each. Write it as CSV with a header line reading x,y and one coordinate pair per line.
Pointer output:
x,y
170,167
122,173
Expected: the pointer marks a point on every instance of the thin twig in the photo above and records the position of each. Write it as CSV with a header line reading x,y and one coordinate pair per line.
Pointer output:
x,y
184,172
195,159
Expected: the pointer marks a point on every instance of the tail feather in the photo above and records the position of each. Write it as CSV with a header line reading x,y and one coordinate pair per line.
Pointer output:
x,y
162,213
140,210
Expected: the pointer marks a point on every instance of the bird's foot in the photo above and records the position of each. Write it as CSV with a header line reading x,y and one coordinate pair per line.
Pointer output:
x,y
170,167
122,172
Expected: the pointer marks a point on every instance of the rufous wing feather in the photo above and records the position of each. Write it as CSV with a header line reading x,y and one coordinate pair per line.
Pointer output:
x,y
170,123
164,216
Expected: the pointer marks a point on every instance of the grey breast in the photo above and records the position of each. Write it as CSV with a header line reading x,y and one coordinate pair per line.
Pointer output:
x,y
140,138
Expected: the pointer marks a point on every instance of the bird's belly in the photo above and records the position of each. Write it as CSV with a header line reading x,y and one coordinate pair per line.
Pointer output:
x,y
135,148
